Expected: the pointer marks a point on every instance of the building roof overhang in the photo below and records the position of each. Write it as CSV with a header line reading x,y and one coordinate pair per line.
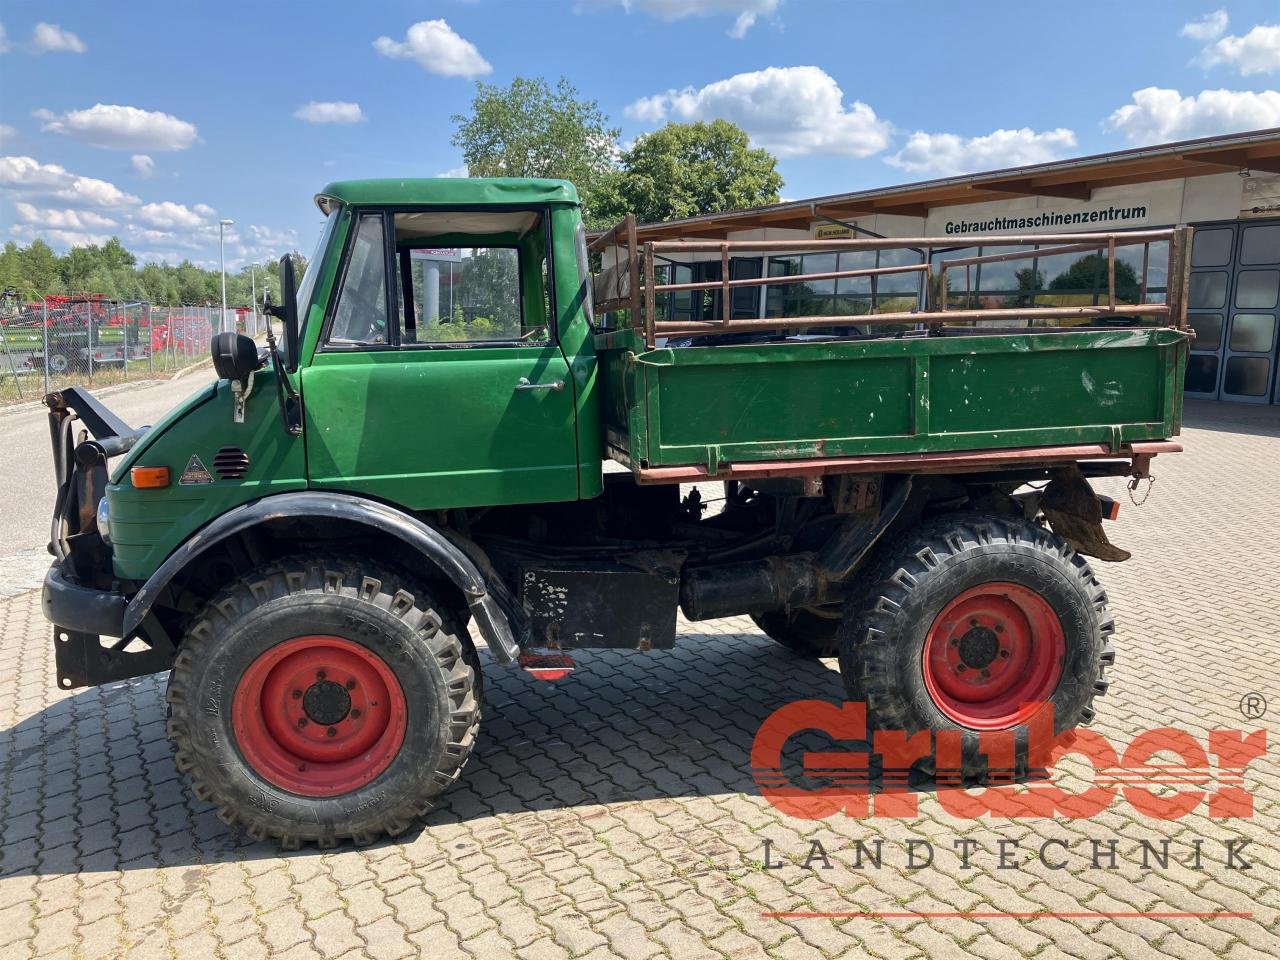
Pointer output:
x,y
1075,179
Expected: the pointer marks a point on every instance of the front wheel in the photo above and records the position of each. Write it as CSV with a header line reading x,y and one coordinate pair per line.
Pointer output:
x,y
318,700
977,624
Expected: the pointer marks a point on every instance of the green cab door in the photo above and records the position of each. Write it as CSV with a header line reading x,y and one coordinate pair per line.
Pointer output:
x,y
438,381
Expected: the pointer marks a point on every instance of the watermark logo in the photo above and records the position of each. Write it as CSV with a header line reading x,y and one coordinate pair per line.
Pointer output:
x,y
874,782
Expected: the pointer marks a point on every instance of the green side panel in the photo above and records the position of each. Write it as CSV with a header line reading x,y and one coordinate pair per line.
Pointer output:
x,y
760,402
800,401
432,429
148,525
1018,391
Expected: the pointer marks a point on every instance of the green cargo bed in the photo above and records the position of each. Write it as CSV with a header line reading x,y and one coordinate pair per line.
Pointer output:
x,y
797,405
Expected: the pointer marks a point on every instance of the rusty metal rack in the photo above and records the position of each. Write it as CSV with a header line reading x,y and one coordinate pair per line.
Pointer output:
x,y
629,281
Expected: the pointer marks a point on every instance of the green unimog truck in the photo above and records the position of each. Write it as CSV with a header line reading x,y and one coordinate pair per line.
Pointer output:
x,y
464,436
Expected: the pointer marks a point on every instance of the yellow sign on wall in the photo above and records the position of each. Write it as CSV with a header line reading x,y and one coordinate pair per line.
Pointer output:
x,y
832,231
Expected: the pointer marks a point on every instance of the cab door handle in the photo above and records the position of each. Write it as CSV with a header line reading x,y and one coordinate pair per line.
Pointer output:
x,y
524,384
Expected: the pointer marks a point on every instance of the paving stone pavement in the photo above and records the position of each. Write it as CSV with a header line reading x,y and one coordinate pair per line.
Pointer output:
x,y
614,814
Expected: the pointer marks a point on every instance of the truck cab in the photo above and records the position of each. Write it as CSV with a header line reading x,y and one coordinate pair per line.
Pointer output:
x,y
319,543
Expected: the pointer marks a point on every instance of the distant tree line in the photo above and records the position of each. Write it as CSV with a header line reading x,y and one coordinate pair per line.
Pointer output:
x,y
35,271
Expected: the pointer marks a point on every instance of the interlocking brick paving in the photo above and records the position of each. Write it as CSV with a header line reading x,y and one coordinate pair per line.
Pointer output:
x,y
614,814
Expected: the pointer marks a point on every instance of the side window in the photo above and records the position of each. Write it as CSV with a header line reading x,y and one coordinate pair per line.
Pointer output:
x,y
361,313
473,277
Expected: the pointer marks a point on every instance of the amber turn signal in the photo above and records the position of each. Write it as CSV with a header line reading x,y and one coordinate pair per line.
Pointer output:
x,y
147,478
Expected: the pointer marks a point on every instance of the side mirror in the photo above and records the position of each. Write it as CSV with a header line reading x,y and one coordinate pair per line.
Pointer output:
x,y
289,294
235,356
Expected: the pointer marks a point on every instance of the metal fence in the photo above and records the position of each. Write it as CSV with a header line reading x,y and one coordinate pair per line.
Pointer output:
x,y
95,342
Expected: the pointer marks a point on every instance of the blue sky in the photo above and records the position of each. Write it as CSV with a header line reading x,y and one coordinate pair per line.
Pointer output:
x,y
153,120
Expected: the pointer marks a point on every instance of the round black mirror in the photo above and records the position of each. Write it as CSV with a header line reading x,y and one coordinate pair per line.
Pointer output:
x,y
235,356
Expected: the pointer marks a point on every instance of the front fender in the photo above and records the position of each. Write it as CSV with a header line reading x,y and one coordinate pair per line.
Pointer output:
x,y
493,623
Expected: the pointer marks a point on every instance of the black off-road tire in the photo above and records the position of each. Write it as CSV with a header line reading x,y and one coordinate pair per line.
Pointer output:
x,y
883,639
381,609
805,632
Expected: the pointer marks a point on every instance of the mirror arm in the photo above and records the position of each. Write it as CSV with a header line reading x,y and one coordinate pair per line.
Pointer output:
x,y
286,396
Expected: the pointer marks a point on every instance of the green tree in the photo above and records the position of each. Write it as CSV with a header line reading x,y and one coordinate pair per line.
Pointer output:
x,y
527,129
1027,281
688,169
1089,273
40,272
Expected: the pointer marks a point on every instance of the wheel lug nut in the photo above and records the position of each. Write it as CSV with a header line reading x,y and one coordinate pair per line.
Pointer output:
x,y
351,684
1004,654
973,621
319,674
986,673
302,722
333,731
999,628
297,694
960,668
355,713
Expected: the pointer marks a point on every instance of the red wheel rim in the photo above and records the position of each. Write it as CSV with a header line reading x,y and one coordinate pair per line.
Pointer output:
x,y
993,656
319,716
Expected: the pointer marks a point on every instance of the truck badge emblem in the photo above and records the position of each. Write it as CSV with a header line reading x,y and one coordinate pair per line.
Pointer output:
x,y
195,472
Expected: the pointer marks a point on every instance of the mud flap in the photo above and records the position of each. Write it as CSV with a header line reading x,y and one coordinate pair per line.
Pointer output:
x,y
1075,514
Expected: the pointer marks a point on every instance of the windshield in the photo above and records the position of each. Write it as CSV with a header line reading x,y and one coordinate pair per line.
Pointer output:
x,y
307,286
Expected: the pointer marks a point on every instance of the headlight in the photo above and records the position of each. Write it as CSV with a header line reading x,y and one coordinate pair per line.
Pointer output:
x,y
104,520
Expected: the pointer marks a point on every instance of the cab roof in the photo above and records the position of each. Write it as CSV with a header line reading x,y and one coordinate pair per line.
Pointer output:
x,y
453,191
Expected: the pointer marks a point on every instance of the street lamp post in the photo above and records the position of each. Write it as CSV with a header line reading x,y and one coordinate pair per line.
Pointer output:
x,y
222,257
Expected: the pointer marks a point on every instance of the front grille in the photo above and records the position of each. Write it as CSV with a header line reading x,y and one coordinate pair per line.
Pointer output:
x,y
231,463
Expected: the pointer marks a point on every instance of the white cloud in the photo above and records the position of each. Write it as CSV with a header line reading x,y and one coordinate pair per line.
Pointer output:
x,y
270,237
792,111
946,154
59,238
142,165
168,214
1157,114
123,128
330,111
434,46
63,219
1258,51
745,12
28,178
50,202
460,171
4,40
51,38
1209,27
7,134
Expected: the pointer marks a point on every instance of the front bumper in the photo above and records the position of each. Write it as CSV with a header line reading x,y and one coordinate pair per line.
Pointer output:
x,y
81,609
76,599
82,617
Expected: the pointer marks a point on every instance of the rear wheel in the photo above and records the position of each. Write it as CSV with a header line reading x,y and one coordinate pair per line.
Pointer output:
x,y
807,631
978,624
317,700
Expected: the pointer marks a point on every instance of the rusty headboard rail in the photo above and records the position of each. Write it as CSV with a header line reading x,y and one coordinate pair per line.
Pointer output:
x,y
935,313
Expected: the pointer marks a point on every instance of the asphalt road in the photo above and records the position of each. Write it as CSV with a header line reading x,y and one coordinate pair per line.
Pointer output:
x,y
26,472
